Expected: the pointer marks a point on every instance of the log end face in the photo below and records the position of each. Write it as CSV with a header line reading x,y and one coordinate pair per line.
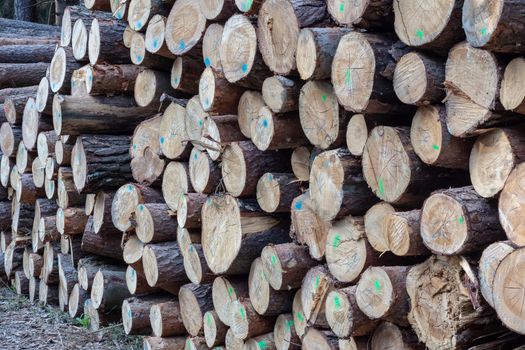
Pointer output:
x,y
138,14
234,169
249,105
238,32
426,134
124,203
94,42
133,250
410,79
268,193
272,267
356,134
57,70
42,94
374,293
131,281
398,234
172,131
155,318
199,170
97,289
174,184
145,87
239,320
79,40
338,313
511,206
184,26
480,20
144,228
30,124
345,255
127,317
259,288
488,263
207,88
512,91
137,49
155,34
262,129
301,163
79,165
346,12
149,263
306,56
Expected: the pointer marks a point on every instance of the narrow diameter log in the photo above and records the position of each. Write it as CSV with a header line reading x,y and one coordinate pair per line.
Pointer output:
x,y
403,233
216,94
276,191
489,261
195,300
512,94
369,15
246,322
136,311
155,223
224,292
163,266
166,320
510,206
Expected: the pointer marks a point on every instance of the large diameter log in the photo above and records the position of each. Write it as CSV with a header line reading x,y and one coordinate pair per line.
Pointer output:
x,y
224,292
265,300
179,37
488,263
125,202
365,87
432,141
154,223
395,173
286,264
402,230
381,294
195,300
436,282
510,206
322,120
105,42
389,334
242,234
512,94
163,266
344,316
135,313
270,131
493,157
106,244
276,191
435,27
316,49
308,227
205,174
211,43
73,115
21,74
246,322
100,162
368,14
458,221
337,186
472,96
249,105
418,79
243,164
278,28
494,26
166,320
241,61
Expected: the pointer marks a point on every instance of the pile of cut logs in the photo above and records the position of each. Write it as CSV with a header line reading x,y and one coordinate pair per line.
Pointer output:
x,y
270,174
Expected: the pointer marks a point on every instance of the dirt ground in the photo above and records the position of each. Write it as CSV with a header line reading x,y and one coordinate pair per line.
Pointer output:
x,y
27,326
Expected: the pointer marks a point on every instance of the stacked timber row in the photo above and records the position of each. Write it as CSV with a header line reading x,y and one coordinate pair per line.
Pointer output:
x,y
270,174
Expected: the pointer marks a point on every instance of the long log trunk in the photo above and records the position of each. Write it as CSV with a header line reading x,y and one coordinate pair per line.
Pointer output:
x,y
163,266
21,74
166,319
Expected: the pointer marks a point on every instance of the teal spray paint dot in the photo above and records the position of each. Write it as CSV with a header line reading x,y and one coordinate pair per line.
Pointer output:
x,y
337,302
155,43
381,187
244,67
483,31
377,285
141,207
130,188
299,316
182,45
134,146
242,312
139,58
299,205
317,281
337,241
461,219
274,260
342,7
265,123
162,139
435,147
324,98
348,77
196,156
200,122
261,345
289,324
230,291
420,34
207,62
139,24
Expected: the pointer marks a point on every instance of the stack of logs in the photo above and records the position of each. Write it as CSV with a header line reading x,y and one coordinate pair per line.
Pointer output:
x,y
277,174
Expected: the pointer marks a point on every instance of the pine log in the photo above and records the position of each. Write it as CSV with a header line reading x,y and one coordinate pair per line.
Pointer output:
x,y
322,120
510,206
35,263
132,250
105,42
389,334
195,265
308,227
281,94
381,294
25,189
34,286
102,222
39,173
216,94
101,5
211,42
436,27
279,23
471,97
488,263
232,342
106,244
493,157
48,294
214,329
21,74
217,10
71,221
375,14
244,67
301,163
497,26
276,191
172,134
107,78
89,114
49,272
395,173
512,94
286,264
317,283
316,49
229,247
139,13
146,165
149,86
246,322
109,288
218,131
249,105
136,281
163,266
67,195
63,153
261,342
458,220
77,298
33,123
98,318
67,274
418,79
154,223
135,313
224,292
139,55
265,300
270,131
157,343
125,202
185,74
43,99
175,183
189,210
337,186
166,320
45,144
26,53
21,283
285,335
195,300
5,170
344,316
316,338
433,143
447,281
154,38
403,233
79,39
24,160
14,106
179,37
61,70
249,7
243,164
